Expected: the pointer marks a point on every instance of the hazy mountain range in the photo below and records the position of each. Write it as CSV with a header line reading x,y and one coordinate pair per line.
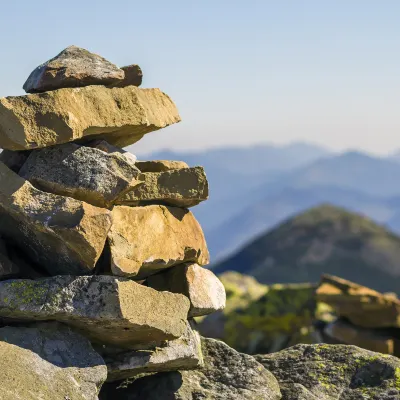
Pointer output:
x,y
254,188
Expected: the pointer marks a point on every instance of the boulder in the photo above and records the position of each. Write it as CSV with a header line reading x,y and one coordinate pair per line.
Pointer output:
x,y
108,310
146,240
185,187
73,67
61,234
160,165
227,374
361,305
204,290
179,354
48,361
370,339
331,372
121,116
14,159
133,76
84,173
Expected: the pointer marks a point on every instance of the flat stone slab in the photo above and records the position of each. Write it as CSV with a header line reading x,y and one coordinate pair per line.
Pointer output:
x,y
160,165
73,67
145,240
185,187
61,234
48,361
227,374
84,173
179,354
204,290
106,309
122,116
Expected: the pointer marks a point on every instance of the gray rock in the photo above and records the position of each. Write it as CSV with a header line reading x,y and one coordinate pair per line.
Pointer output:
x,y
178,188
133,76
227,375
110,149
84,173
48,362
179,354
73,67
332,372
107,310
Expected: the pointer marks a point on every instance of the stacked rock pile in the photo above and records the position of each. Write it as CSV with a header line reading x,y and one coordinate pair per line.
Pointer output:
x,y
98,243
365,317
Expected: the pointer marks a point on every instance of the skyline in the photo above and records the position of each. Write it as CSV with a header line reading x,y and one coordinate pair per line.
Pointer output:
x,y
241,74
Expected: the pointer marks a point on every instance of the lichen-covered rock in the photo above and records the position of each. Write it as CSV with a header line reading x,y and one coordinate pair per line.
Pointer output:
x,y
61,234
106,309
133,76
121,116
73,67
178,188
160,165
145,240
362,306
331,372
81,172
14,159
227,374
48,361
204,290
179,354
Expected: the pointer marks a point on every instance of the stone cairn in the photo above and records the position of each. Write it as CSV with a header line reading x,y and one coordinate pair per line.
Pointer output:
x,y
101,262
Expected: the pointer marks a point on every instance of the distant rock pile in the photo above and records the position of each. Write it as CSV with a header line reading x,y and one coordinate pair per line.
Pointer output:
x,y
365,317
101,262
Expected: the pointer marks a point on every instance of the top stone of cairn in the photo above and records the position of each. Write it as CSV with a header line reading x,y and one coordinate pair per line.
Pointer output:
x,y
73,67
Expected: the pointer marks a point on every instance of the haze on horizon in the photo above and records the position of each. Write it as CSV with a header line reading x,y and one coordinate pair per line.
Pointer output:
x,y
241,73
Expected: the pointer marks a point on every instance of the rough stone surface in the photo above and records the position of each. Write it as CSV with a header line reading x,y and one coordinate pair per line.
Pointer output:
x,y
47,362
227,374
61,234
160,165
179,188
145,240
179,354
121,116
14,159
360,305
204,290
108,310
73,67
370,339
133,76
81,172
332,372
110,149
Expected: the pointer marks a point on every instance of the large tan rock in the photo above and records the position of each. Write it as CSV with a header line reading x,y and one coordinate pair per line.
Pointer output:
x,y
160,165
179,354
48,361
61,234
360,305
106,309
81,172
179,188
204,290
73,67
145,240
121,116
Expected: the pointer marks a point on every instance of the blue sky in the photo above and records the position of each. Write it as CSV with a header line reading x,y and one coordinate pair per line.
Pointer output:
x,y
241,72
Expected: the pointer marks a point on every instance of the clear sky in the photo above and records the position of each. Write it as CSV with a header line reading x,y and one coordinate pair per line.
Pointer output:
x,y
241,72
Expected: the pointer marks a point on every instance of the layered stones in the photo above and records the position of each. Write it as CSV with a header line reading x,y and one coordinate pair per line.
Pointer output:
x,y
160,165
84,173
48,361
73,67
105,309
162,237
61,234
362,306
204,290
185,187
122,116
226,374
179,354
